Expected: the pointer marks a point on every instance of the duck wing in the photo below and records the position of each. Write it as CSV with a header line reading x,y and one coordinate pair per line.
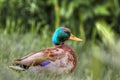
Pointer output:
x,y
41,58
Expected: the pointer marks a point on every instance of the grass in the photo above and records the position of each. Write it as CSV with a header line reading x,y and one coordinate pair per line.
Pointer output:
x,y
95,61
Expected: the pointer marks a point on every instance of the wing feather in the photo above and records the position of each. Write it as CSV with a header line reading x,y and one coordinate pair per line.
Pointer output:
x,y
34,59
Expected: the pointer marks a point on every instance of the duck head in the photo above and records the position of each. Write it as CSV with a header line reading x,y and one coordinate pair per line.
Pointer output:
x,y
62,34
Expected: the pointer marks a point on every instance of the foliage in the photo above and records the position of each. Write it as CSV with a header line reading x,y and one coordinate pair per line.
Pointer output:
x,y
33,15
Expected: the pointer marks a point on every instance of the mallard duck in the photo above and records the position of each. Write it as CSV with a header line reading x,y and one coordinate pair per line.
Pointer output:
x,y
58,59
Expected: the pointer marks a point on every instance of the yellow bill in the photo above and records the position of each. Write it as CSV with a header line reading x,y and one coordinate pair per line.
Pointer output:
x,y
72,37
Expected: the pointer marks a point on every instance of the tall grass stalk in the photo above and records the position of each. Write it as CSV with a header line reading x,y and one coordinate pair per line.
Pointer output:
x,y
57,14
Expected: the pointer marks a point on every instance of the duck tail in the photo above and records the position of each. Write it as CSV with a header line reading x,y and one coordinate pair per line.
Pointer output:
x,y
17,68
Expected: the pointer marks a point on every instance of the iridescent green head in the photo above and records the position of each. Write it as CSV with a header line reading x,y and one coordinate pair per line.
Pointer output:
x,y
62,34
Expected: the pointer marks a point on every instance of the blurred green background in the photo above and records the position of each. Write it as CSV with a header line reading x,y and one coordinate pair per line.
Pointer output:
x,y
27,26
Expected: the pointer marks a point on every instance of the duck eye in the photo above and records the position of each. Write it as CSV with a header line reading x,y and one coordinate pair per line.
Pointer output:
x,y
66,32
